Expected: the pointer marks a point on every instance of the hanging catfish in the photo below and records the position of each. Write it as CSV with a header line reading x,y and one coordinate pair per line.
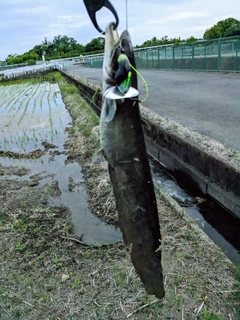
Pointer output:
x,y
123,146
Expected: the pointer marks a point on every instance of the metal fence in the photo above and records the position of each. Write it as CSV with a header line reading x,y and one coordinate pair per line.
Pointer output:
x,y
221,54
14,72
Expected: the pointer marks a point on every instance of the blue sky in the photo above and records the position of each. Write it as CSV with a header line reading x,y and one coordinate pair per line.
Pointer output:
x,y
25,23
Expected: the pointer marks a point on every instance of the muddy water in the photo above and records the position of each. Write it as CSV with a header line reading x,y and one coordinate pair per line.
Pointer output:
x,y
31,117
218,224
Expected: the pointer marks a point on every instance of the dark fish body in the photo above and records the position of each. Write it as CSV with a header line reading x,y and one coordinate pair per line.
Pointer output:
x,y
124,147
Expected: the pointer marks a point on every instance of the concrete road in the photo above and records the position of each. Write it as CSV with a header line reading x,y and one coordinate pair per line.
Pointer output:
x,y
208,103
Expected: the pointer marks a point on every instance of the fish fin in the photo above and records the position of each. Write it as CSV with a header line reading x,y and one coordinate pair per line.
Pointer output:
x,y
111,110
98,157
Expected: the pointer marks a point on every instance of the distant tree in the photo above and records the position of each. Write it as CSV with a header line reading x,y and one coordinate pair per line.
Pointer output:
x,y
212,33
158,42
234,30
61,46
95,44
224,28
191,39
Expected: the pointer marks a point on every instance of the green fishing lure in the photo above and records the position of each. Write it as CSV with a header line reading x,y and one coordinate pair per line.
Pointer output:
x,y
123,76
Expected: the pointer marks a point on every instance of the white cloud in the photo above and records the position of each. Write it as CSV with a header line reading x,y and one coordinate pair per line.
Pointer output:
x,y
186,15
25,23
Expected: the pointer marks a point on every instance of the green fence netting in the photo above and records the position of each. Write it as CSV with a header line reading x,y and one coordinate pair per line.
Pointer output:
x,y
221,54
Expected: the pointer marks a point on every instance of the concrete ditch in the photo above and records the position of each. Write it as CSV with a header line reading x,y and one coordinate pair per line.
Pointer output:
x,y
197,167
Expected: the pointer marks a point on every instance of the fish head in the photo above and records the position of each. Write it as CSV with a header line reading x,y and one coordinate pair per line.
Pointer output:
x,y
126,43
118,59
127,49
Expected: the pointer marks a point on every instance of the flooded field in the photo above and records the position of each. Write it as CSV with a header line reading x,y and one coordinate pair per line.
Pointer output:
x,y
34,124
30,115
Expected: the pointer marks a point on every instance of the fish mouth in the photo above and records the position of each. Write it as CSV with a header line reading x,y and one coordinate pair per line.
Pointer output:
x,y
112,40
111,36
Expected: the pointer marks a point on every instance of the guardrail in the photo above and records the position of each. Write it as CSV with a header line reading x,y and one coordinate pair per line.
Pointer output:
x,y
11,73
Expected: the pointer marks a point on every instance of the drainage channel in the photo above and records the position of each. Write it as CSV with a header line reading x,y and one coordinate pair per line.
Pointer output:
x,y
220,226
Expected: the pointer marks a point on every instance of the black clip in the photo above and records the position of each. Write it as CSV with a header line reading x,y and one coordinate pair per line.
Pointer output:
x,y
94,5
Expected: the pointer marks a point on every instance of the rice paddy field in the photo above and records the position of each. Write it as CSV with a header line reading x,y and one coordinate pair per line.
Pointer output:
x,y
31,113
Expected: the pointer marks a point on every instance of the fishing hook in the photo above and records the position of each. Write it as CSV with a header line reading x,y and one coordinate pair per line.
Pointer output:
x,y
93,6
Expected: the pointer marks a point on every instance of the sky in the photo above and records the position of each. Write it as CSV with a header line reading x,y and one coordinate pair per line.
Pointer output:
x,y
25,23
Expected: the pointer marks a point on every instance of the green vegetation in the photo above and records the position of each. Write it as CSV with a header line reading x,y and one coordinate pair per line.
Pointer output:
x,y
165,40
60,47
224,28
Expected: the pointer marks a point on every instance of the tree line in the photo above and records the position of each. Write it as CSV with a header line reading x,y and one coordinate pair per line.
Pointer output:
x,y
60,47
66,47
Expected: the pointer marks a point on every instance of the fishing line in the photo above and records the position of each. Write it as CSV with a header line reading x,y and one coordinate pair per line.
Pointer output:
x,y
126,14
143,80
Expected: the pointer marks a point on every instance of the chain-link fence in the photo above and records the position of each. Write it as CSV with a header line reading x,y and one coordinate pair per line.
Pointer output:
x,y
213,55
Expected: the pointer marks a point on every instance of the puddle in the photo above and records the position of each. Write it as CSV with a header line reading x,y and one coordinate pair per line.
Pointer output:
x,y
222,228
35,116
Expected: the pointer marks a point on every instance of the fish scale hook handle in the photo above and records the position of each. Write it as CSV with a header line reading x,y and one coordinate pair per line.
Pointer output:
x,y
93,6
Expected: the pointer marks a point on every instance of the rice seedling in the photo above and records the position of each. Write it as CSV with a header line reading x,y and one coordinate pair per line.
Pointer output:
x,y
24,111
50,116
35,99
20,93
5,140
27,102
8,90
41,99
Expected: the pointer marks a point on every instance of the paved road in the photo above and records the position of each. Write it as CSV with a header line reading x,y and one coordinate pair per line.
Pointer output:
x,y
208,103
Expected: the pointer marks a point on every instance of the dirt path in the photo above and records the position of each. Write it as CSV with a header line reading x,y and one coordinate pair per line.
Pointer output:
x,y
46,273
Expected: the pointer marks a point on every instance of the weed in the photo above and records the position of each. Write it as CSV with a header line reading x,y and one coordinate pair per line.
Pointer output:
x,y
76,283
20,225
43,298
41,256
57,262
19,246
206,315
99,245
119,276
